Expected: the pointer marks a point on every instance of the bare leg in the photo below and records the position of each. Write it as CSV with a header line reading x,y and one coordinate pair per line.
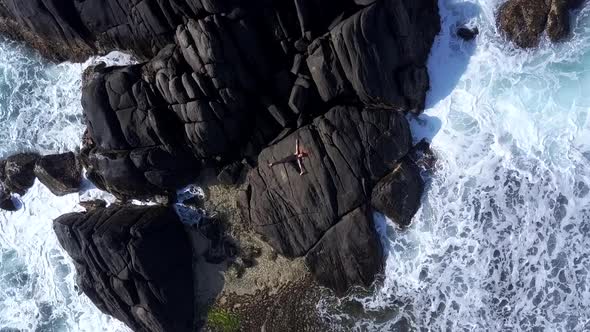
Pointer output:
x,y
301,167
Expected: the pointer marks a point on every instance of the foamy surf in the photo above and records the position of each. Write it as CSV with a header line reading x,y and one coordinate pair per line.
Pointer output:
x,y
500,242
40,111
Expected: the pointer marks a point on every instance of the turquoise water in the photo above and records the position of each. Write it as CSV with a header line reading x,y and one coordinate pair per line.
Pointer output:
x,y
501,241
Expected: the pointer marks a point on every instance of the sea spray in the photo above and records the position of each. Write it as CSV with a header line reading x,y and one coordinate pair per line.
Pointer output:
x,y
40,111
500,242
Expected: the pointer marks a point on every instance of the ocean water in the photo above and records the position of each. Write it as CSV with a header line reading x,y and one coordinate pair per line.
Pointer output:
x,y
40,111
501,242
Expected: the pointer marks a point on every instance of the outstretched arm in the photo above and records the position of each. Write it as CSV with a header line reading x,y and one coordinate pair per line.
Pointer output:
x,y
297,147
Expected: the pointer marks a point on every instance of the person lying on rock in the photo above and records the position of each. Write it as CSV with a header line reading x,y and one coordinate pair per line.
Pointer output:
x,y
296,157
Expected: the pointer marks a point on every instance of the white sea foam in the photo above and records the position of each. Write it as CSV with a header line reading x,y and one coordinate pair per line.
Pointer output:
x,y
40,111
501,240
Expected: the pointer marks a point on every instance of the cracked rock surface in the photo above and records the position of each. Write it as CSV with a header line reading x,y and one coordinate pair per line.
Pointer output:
x,y
136,264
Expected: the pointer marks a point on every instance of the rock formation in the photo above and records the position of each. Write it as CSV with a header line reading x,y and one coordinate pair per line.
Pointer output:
x,y
349,152
17,172
229,85
524,21
467,33
137,264
61,173
398,194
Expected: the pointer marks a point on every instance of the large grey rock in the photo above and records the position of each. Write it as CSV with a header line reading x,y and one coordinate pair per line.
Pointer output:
x,y
61,173
349,151
349,254
398,195
381,52
135,264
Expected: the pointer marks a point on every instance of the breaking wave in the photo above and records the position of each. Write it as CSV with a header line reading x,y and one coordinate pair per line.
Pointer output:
x,y
501,240
40,111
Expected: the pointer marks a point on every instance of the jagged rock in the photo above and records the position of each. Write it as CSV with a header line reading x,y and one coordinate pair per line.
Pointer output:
x,y
6,202
61,173
398,195
233,173
423,156
467,33
137,143
395,37
222,89
349,150
523,21
349,254
93,204
19,172
134,263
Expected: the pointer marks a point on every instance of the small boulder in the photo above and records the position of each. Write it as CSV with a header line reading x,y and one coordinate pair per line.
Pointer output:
x,y
93,204
61,173
398,195
467,33
19,172
6,202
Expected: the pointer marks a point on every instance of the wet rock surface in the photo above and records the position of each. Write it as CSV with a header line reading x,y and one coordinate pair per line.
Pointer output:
x,y
467,33
18,174
398,194
524,21
7,202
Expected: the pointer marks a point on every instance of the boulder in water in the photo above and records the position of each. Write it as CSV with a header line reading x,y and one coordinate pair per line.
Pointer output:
x,y
6,202
398,195
524,21
558,20
467,33
61,173
19,172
